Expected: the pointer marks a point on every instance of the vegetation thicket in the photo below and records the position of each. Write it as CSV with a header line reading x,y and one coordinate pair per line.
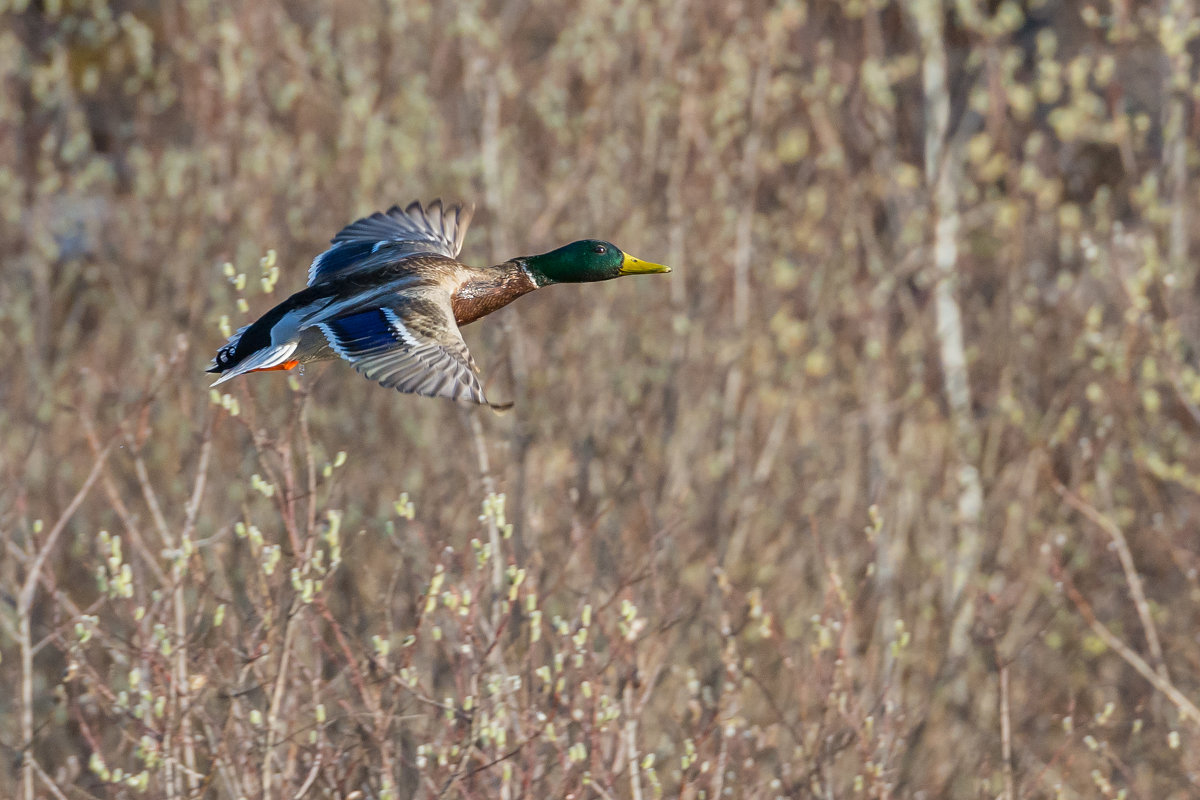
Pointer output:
x,y
890,489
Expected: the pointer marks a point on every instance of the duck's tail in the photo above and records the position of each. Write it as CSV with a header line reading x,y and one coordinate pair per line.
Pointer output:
x,y
229,362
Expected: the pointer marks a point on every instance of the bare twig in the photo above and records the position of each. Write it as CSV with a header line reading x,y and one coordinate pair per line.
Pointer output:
x,y
1006,734
25,615
180,702
49,783
183,684
1178,81
1186,708
311,779
1136,590
146,553
151,498
268,769
489,487
743,249
629,732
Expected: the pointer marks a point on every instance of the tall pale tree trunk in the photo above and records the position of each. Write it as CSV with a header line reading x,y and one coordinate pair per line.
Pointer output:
x,y
943,175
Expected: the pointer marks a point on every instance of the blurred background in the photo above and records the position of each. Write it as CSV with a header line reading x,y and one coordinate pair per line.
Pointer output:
x,y
888,490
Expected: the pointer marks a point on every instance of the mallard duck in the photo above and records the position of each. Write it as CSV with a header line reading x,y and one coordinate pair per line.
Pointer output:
x,y
390,294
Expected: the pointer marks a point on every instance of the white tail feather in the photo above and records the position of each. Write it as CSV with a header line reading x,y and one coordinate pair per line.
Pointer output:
x,y
263,359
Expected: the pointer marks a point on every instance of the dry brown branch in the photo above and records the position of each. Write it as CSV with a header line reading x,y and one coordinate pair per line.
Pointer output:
x,y
630,742
1186,708
33,572
48,782
1134,580
1006,753
281,682
743,248
113,493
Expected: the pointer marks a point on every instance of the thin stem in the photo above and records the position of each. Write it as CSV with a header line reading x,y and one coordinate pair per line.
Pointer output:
x,y
1006,735
1186,708
48,782
743,248
489,487
26,703
631,748
277,700
1136,590
24,618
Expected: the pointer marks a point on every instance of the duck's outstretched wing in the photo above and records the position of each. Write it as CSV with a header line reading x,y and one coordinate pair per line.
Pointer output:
x,y
400,232
412,345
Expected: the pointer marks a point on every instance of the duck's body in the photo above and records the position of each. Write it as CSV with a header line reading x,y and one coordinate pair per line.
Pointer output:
x,y
390,294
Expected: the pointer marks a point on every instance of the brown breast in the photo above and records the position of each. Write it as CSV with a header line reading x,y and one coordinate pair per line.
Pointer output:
x,y
487,290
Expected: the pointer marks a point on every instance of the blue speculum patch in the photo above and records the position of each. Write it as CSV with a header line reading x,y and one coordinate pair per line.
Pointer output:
x,y
364,332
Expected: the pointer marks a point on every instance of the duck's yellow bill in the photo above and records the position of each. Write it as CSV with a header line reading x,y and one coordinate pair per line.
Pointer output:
x,y
635,266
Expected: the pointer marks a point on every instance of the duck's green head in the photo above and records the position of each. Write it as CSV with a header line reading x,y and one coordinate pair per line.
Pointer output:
x,y
585,261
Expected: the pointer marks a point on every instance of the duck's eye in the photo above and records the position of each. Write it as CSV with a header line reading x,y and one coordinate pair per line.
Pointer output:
x,y
599,249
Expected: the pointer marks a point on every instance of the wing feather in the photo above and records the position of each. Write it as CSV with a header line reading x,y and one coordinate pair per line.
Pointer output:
x,y
412,345
399,232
